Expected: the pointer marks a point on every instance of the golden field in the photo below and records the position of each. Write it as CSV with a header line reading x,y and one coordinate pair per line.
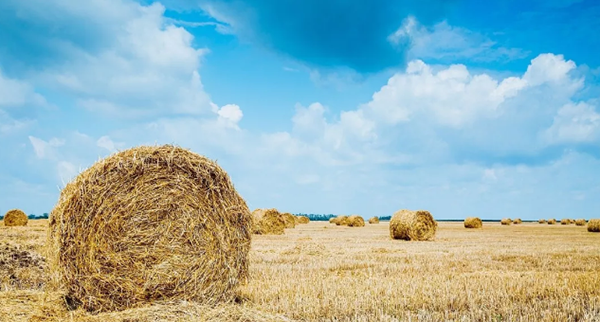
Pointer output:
x,y
323,272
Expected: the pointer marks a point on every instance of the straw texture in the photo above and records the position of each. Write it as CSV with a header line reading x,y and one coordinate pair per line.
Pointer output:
x,y
473,222
15,217
412,225
268,222
150,223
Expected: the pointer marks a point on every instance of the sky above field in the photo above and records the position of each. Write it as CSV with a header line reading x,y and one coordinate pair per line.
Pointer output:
x,y
319,106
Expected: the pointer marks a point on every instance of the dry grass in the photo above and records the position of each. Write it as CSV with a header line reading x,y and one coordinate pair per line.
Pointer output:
x,y
148,224
473,222
506,221
594,226
15,217
304,275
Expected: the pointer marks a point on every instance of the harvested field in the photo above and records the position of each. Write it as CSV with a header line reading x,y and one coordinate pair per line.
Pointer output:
x,y
322,272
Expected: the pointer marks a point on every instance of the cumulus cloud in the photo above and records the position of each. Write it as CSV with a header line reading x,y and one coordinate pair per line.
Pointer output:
x,y
133,63
230,115
575,123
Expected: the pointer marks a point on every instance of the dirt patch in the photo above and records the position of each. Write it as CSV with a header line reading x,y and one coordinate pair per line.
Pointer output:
x,y
20,268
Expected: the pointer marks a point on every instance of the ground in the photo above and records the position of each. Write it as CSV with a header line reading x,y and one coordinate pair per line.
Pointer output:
x,y
323,272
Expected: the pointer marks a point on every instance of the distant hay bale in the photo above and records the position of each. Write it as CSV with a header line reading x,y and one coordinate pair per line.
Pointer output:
x,y
374,220
289,219
412,225
572,221
147,224
15,217
594,225
565,221
332,220
552,221
505,221
356,221
580,222
341,220
542,221
303,220
268,222
517,221
473,222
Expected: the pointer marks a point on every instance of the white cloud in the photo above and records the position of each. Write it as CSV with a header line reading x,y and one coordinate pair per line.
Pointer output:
x,y
574,123
18,93
43,149
445,42
106,143
549,68
148,66
230,115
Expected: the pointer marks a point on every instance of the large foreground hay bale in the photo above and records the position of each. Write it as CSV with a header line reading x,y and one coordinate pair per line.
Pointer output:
x,y
374,220
505,221
412,225
552,221
473,222
15,217
580,222
356,221
565,221
268,222
341,220
303,220
594,225
289,219
146,224
542,221
517,221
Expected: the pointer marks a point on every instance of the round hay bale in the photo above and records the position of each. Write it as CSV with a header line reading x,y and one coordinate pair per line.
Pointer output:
x,y
374,220
594,226
341,220
356,221
15,217
517,221
565,221
412,225
332,220
580,222
303,220
289,219
552,221
150,223
542,221
473,222
268,222
505,221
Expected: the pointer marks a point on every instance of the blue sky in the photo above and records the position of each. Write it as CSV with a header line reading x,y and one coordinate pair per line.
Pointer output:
x,y
313,106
